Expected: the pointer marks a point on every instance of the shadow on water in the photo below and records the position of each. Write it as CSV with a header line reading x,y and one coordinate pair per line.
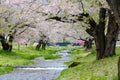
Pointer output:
x,y
41,70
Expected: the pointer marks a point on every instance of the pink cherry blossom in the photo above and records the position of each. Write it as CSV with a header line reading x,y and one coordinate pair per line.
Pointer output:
x,y
80,42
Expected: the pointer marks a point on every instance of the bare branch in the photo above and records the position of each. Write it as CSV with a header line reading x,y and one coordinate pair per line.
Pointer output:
x,y
82,6
27,26
58,10
64,19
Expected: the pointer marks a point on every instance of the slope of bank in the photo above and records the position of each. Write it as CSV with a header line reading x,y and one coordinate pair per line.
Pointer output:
x,y
89,68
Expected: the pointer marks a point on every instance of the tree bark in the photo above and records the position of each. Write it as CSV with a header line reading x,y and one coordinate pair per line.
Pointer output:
x,y
115,7
99,34
111,36
105,44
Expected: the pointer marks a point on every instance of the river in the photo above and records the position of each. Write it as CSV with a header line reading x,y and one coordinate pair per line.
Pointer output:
x,y
41,70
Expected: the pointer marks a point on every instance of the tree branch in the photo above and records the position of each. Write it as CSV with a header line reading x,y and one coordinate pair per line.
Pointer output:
x,y
82,6
28,25
64,19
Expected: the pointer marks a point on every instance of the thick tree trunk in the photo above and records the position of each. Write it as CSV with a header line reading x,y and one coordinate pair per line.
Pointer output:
x,y
111,36
100,44
99,34
105,44
115,7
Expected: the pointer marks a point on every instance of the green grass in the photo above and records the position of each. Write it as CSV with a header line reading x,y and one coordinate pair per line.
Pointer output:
x,y
23,56
5,69
90,68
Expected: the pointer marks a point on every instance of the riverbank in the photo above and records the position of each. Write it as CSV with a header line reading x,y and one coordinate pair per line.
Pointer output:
x,y
89,68
23,56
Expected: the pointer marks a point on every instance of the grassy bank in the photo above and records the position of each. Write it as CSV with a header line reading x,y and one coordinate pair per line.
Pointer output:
x,y
90,68
23,56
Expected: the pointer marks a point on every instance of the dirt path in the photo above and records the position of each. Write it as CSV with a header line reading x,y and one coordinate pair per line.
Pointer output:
x,y
41,70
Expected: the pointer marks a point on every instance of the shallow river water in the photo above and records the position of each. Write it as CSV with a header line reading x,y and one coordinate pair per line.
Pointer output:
x,y
41,70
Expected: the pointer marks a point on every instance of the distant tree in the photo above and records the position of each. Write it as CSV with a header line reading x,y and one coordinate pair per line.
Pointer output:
x,y
42,43
88,42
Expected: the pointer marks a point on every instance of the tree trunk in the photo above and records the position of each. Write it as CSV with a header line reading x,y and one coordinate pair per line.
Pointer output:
x,y
4,45
99,34
111,36
44,44
7,43
100,44
105,44
115,7
88,43
119,69
39,44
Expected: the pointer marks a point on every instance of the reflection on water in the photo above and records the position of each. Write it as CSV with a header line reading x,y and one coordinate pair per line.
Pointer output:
x,y
41,68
